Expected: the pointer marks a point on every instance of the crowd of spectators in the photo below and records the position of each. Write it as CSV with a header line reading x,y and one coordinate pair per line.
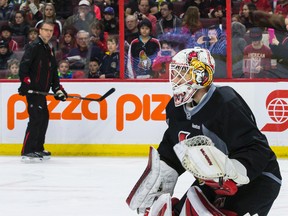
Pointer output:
x,y
86,35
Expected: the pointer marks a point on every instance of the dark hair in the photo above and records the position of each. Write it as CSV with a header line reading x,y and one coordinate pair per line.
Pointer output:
x,y
114,38
169,5
46,22
251,6
32,29
145,22
95,59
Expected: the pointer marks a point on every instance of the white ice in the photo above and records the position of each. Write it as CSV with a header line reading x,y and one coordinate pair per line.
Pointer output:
x,y
84,186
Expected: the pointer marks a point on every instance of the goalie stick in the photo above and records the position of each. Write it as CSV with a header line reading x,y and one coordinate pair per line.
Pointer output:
x,y
76,97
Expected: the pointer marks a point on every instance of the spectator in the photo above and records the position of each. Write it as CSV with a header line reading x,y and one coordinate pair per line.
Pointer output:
x,y
110,63
98,37
263,5
161,63
217,3
32,36
63,8
218,12
98,8
257,56
191,27
144,13
6,34
32,11
168,23
235,18
202,5
279,48
19,26
113,4
50,16
142,52
238,45
67,42
13,69
6,10
282,8
132,7
245,15
64,70
131,31
83,18
5,55
215,41
111,25
94,66
191,21
79,56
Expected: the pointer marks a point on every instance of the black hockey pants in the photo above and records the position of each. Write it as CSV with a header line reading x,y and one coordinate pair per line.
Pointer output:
x,y
37,126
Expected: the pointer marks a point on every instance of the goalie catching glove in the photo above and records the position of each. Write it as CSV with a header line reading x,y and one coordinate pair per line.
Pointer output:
x,y
199,156
157,179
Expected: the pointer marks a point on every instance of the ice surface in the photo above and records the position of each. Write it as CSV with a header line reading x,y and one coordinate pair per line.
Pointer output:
x,y
84,186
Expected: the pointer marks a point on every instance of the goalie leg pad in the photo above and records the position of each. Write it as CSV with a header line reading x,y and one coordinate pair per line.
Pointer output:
x,y
147,181
162,206
196,204
157,179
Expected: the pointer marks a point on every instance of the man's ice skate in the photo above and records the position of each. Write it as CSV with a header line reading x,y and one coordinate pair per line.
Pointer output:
x,y
32,157
45,154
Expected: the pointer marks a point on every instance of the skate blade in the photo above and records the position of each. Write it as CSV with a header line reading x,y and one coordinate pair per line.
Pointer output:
x,y
26,159
46,157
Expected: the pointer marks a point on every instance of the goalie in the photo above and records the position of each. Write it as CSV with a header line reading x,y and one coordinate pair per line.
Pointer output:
x,y
211,133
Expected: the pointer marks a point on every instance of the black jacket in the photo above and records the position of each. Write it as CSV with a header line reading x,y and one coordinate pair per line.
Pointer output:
x,y
39,64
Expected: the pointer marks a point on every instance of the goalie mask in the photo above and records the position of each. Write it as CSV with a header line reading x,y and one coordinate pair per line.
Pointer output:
x,y
190,70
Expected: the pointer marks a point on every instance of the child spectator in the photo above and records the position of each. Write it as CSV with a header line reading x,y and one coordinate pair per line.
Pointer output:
x,y
13,69
257,56
64,70
19,26
161,63
98,36
142,52
5,54
110,63
111,25
67,42
32,35
6,34
94,66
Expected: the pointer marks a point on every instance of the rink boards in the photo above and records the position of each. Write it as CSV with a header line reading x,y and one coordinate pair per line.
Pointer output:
x,y
128,121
